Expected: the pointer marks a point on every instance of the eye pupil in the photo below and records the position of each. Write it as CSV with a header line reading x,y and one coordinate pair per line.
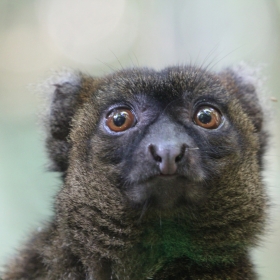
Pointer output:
x,y
120,118
204,116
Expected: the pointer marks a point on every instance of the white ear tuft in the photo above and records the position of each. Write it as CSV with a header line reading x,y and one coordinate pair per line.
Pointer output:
x,y
249,75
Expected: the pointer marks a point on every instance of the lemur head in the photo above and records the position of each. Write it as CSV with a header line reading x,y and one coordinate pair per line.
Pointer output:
x,y
163,138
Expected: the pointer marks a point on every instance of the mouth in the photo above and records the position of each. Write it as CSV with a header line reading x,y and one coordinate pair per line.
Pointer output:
x,y
161,181
169,176
165,192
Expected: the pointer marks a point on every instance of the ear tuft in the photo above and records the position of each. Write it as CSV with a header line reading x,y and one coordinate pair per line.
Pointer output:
x,y
246,83
63,94
249,75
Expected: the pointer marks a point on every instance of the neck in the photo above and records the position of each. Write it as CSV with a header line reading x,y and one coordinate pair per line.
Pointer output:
x,y
163,239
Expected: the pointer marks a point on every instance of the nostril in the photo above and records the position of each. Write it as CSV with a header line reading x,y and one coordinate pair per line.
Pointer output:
x,y
158,158
153,151
182,153
178,158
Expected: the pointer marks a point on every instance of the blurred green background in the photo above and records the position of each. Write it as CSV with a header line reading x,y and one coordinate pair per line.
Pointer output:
x,y
99,36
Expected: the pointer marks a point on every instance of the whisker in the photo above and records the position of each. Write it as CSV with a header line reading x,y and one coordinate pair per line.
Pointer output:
x,y
144,209
117,59
138,64
106,64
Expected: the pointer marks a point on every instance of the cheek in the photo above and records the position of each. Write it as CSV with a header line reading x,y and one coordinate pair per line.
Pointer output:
x,y
193,167
104,149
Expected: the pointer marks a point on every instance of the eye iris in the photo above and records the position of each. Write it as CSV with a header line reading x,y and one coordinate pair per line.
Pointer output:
x,y
207,117
204,116
120,118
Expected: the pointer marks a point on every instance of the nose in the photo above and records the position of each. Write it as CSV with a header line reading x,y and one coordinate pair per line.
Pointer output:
x,y
167,156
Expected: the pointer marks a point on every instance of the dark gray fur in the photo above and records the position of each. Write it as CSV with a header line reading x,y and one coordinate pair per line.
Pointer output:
x,y
115,217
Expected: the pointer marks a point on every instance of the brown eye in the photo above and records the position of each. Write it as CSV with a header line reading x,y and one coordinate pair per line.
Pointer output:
x,y
120,120
207,117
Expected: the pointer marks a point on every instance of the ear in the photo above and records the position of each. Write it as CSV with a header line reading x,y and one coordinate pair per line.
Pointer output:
x,y
245,83
65,98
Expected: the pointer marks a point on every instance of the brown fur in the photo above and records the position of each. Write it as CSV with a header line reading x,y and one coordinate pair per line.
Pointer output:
x,y
105,226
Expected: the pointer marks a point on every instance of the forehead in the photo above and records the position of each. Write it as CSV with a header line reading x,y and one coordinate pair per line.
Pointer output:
x,y
166,85
181,87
